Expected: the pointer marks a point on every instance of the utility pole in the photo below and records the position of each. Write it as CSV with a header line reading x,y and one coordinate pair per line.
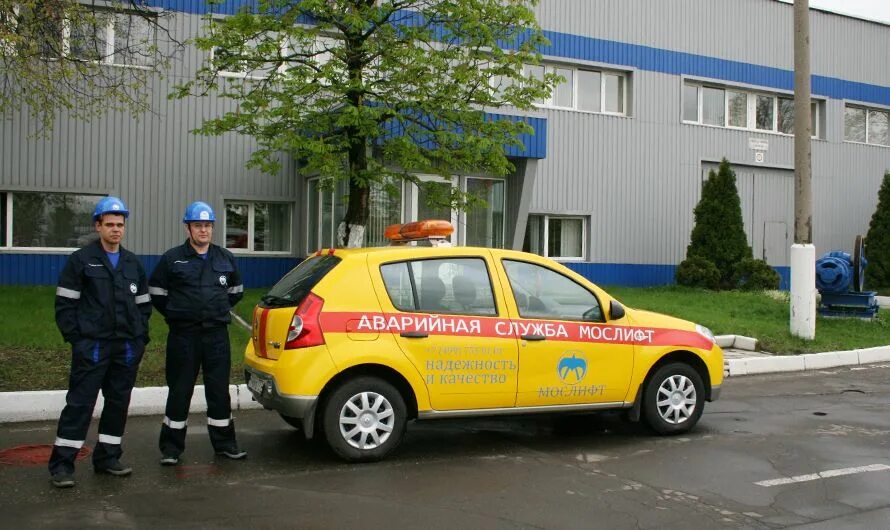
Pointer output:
x,y
803,253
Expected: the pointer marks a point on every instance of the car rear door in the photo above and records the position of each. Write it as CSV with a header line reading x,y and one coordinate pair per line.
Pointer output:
x,y
443,312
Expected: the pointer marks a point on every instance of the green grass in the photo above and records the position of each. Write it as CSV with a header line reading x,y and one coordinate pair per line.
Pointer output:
x,y
756,315
34,357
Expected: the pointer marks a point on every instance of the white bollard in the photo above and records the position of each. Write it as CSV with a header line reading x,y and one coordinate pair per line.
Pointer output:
x,y
803,291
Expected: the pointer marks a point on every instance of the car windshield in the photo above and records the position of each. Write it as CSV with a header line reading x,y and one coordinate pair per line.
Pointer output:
x,y
296,284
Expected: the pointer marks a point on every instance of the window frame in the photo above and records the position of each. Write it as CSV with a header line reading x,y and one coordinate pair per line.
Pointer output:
x,y
7,238
410,198
519,311
108,59
868,110
545,244
752,95
251,227
550,102
415,295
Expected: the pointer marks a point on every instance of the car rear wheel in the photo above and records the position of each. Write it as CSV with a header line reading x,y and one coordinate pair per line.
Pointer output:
x,y
673,399
364,419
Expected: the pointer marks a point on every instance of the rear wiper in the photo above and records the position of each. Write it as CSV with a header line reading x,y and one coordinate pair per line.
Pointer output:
x,y
271,299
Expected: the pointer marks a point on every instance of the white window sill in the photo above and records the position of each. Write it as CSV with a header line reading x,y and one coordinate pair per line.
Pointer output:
x,y
749,131
245,253
865,144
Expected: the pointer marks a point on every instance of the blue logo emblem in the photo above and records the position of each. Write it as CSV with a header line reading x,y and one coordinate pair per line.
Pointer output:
x,y
572,367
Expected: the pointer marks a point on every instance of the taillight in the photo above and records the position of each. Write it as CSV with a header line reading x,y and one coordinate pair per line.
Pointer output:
x,y
305,327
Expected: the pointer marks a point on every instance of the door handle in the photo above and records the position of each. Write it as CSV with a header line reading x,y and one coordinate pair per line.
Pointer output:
x,y
533,337
414,334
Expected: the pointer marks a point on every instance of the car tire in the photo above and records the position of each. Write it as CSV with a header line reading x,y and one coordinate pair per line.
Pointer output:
x,y
364,419
673,399
296,423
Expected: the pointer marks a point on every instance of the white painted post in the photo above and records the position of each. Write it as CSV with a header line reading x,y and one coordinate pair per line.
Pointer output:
x,y
803,291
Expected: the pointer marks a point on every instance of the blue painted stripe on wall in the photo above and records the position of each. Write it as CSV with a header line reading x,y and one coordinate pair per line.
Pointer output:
x,y
638,56
635,275
44,269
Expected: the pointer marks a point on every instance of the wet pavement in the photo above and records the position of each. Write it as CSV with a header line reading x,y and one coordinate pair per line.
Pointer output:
x,y
800,449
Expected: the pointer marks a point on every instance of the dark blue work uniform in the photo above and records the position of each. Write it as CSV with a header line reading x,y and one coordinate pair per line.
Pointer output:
x,y
103,312
195,295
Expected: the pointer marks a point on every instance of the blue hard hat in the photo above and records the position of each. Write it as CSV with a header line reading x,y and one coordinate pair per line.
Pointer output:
x,y
198,211
110,205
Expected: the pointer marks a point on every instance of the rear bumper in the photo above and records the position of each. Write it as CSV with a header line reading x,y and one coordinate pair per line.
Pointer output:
x,y
265,392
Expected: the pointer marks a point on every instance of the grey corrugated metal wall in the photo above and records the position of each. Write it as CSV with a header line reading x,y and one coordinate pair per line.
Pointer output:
x,y
152,161
636,177
639,177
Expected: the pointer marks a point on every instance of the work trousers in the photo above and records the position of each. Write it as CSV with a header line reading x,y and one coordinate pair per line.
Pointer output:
x,y
188,351
109,366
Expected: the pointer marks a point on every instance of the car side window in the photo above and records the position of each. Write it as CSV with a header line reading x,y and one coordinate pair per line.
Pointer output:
x,y
543,293
396,278
453,285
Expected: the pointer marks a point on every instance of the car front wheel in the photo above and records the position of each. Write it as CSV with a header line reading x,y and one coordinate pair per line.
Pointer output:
x,y
364,419
673,399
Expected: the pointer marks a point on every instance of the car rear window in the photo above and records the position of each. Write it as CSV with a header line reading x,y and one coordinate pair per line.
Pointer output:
x,y
296,284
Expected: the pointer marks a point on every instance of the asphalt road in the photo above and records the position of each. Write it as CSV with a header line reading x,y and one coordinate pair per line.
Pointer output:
x,y
808,450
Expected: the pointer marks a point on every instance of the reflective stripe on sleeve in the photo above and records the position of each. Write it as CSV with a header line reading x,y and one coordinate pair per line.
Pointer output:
x,y
175,424
157,291
68,293
236,289
62,442
219,423
108,439
143,299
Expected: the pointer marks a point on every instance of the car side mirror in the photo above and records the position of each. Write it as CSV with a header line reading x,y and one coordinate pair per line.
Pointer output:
x,y
616,310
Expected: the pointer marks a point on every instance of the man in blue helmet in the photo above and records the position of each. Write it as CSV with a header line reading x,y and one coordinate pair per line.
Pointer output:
x,y
194,286
102,310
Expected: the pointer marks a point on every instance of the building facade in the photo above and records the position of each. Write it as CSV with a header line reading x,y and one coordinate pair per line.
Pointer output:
x,y
656,94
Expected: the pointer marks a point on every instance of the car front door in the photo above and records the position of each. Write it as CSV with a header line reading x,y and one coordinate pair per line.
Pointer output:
x,y
443,314
568,354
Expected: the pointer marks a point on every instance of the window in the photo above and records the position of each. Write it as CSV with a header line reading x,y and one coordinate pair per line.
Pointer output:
x,y
47,220
864,125
584,89
690,102
257,226
326,208
99,36
728,107
480,226
737,109
713,107
542,293
556,237
764,113
854,124
485,226
453,285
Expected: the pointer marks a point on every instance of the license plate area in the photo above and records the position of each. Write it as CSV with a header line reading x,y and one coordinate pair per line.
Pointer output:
x,y
255,384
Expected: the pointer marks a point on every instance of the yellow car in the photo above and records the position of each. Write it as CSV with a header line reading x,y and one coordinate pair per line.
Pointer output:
x,y
354,343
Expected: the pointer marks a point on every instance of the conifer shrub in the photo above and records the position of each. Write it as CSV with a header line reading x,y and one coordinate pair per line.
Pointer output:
x,y
719,232
755,275
698,272
877,241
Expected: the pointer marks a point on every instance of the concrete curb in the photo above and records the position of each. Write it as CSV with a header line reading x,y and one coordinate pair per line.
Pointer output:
x,y
739,342
810,361
47,404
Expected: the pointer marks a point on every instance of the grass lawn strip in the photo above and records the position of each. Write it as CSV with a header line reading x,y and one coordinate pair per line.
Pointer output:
x,y
33,355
